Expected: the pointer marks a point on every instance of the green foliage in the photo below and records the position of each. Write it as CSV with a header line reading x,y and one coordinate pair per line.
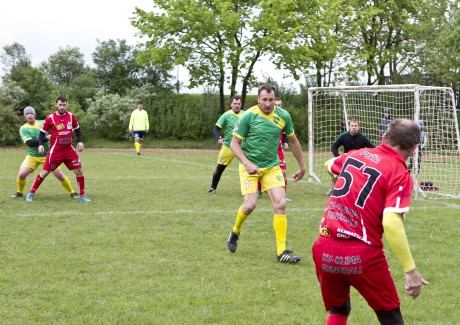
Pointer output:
x,y
65,66
10,124
11,94
108,116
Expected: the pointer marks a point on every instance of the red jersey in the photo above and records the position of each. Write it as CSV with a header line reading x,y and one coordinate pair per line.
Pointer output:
x,y
372,181
61,129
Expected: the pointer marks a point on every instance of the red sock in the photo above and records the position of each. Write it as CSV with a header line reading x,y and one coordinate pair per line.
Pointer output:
x,y
336,319
259,186
37,183
81,184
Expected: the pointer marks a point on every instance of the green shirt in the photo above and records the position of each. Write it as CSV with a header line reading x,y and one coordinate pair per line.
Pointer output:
x,y
260,134
139,121
227,122
30,132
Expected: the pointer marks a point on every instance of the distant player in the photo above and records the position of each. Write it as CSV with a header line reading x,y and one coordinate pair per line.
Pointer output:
x,y
226,122
29,135
139,125
371,196
62,125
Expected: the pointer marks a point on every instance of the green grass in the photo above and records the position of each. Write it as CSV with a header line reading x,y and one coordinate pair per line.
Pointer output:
x,y
151,249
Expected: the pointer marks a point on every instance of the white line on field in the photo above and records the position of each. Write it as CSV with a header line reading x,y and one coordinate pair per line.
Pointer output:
x,y
185,211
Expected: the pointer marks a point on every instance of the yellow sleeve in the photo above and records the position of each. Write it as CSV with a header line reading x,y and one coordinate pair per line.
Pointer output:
x,y
396,237
327,167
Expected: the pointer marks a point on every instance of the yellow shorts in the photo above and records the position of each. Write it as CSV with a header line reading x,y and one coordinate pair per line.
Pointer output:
x,y
225,156
34,162
269,178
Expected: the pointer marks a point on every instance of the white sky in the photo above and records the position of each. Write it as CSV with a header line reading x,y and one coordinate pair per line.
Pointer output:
x,y
43,27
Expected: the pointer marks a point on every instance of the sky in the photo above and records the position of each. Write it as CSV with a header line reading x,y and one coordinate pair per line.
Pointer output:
x,y
43,27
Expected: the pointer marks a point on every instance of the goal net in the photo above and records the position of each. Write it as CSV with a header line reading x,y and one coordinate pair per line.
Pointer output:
x,y
435,168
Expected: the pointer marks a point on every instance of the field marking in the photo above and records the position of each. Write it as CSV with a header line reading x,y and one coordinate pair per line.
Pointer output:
x,y
213,166
185,211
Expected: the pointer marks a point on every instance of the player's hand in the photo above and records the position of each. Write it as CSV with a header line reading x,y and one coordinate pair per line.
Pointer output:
x,y
298,175
413,283
48,137
80,146
252,169
41,149
220,141
285,146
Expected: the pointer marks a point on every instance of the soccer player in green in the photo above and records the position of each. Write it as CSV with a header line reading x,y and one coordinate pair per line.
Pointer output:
x,y
139,125
226,122
29,135
255,143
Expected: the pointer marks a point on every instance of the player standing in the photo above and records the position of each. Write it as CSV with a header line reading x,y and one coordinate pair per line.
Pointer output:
x,y
255,143
139,125
371,196
62,125
226,122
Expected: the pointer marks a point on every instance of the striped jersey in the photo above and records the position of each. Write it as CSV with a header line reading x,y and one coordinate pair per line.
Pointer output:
x,y
260,134
227,122
30,132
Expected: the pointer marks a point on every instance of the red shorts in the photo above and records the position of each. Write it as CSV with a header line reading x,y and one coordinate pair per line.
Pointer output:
x,y
68,157
344,263
281,157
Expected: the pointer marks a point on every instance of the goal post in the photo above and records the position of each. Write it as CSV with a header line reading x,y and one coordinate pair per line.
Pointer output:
x,y
435,168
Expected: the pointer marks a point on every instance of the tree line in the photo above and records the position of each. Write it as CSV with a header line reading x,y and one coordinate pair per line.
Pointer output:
x,y
221,42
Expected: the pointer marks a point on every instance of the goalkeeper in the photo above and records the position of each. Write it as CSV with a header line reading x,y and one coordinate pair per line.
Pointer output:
x,y
371,196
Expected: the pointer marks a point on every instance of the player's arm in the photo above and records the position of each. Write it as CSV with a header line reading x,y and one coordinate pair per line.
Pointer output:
x,y
368,143
335,146
396,236
147,125
34,142
216,131
131,122
238,152
297,152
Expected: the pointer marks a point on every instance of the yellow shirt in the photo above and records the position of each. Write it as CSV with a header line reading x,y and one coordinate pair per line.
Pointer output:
x,y
139,121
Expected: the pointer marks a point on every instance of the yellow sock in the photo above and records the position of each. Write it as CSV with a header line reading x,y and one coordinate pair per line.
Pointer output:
x,y
280,225
138,146
240,218
21,184
66,184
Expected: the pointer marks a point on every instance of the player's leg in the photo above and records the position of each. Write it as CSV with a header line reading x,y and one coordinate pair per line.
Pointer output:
x,y
65,182
41,177
27,167
225,158
137,141
248,190
73,163
335,290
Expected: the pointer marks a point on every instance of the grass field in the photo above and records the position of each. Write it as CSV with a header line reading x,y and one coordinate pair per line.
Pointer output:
x,y
151,249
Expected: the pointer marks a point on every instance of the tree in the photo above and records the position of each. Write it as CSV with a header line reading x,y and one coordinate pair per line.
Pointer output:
x,y
65,66
14,55
116,66
219,41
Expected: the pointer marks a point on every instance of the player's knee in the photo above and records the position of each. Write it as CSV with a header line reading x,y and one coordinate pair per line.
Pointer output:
x,y
392,317
344,309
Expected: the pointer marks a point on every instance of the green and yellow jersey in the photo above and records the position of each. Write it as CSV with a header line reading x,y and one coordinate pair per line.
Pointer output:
x,y
260,134
227,122
30,132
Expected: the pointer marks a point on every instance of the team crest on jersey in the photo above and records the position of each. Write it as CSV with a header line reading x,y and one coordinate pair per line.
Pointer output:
x,y
235,128
276,120
279,178
60,126
324,231
69,126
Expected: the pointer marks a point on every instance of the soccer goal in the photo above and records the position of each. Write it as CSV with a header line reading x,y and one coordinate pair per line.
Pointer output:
x,y
436,172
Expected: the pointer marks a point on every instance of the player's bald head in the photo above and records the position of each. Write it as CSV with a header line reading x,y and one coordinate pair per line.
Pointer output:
x,y
403,133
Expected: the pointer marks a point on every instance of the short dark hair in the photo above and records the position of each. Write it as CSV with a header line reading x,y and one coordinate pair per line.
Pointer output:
x,y
404,133
268,88
140,103
61,98
353,120
234,98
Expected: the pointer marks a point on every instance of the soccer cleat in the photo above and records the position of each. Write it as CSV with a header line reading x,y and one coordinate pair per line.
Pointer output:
x,y
85,198
287,199
30,197
287,257
17,194
232,242
212,191
74,195
138,153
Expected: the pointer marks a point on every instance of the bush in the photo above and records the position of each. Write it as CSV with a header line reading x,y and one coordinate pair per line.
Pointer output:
x,y
10,124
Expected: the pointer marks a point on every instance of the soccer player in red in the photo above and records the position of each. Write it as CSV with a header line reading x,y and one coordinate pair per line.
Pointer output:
x,y
371,196
62,125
